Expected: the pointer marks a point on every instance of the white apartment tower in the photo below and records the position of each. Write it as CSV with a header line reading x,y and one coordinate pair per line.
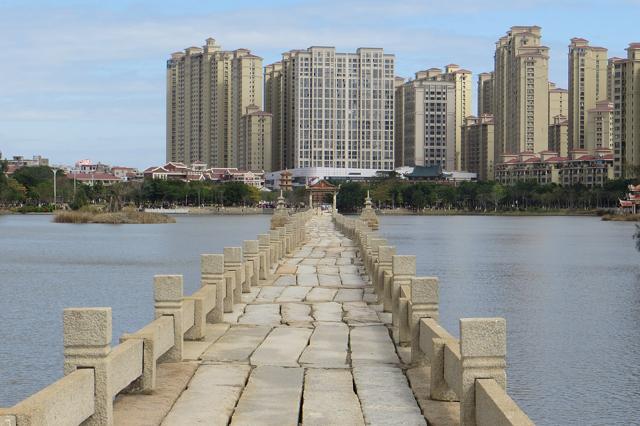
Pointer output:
x,y
335,110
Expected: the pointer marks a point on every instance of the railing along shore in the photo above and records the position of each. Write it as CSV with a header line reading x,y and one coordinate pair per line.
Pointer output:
x,y
471,370
95,372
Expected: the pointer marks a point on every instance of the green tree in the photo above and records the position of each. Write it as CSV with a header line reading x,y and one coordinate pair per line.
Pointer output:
x,y
351,197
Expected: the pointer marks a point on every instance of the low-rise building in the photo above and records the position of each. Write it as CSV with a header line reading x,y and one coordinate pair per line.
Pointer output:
x,y
93,178
18,161
180,172
580,167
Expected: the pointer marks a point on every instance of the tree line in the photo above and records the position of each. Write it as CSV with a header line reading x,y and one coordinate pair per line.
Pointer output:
x,y
392,192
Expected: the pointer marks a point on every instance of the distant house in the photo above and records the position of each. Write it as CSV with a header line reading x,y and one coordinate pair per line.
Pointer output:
x,y
199,172
91,179
425,173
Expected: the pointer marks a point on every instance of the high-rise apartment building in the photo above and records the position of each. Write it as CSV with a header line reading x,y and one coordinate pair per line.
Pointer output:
x,y
521,91
485,93
398,127
427,122
273,104
559,136
463,83
558,101
336,108
600,126
626,111
479,152
255,140
208,90
587,85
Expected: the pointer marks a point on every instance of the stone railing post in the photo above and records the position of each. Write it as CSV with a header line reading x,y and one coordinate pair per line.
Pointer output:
x,y
212,273
373,258
424,304
483,351
276,245
251,251
167,293
87,336
266,256
385,256
233,263
403,268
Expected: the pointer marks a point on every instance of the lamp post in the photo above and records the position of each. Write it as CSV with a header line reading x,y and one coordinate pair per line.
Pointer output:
x,y
55,187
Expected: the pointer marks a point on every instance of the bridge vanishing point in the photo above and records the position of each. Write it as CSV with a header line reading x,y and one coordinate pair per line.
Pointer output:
x,y
318,322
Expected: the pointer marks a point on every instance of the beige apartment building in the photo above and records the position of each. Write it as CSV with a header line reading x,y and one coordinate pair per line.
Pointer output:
x,y
398,128
273,104
336,109
208,90
626,111
559,135
587,85
255,140
427,122
600,126
479,153
558,101
521,91
462,80
485,93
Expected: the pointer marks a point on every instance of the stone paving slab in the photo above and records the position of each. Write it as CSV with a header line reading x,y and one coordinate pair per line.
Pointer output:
x,y
329,399
293,294
386,397
287,269
307,280
372,345
268,294
149,410
251,296
328,311
285,280
306,269
328,347
265,314
332,280
282,347
296,313
319,294
349,295
438,413
237,344
352,280
210,397
271,397
232,317
328,270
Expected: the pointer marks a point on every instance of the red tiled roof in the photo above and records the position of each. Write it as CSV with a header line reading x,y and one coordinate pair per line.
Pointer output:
x,y
93,176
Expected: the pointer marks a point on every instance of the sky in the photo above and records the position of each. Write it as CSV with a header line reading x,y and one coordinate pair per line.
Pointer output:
x,y
86,79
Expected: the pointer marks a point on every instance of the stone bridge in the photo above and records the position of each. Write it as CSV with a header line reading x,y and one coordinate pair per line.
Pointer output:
x,y
318,322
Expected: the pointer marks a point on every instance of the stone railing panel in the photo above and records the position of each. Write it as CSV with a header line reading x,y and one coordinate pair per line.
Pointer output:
x,y
495,408
126,365
66,402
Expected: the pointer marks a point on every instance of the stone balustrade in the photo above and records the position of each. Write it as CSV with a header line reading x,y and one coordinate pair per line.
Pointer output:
x,y
95,372
471,370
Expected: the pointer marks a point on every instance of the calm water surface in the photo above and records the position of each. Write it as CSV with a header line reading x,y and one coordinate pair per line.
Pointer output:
x,y
569,288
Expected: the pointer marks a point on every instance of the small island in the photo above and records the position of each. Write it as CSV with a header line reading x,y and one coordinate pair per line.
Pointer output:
x,y
124,216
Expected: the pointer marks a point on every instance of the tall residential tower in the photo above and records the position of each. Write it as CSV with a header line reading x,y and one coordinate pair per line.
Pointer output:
x,y
335,110
521,91
208,90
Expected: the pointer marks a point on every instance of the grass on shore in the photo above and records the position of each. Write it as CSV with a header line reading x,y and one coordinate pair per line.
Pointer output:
x,y
621,217
118,218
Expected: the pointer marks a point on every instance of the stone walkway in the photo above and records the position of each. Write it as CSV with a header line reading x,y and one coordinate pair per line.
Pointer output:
x,y
310,346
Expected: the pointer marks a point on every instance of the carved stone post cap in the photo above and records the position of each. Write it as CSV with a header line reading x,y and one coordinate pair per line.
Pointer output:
x,y
212,263
483,337
250,246
424,290
167,288
87,326
233,254
403,264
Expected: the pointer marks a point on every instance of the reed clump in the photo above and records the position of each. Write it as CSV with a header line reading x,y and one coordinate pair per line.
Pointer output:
x,y
126,216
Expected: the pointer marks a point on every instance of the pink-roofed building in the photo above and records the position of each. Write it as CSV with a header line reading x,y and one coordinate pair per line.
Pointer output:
x,y
581,166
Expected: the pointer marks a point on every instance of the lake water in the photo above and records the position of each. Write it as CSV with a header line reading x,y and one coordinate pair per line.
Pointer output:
x,y
569,288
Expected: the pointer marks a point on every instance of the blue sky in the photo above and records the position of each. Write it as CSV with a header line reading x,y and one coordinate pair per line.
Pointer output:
x,y
86,79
